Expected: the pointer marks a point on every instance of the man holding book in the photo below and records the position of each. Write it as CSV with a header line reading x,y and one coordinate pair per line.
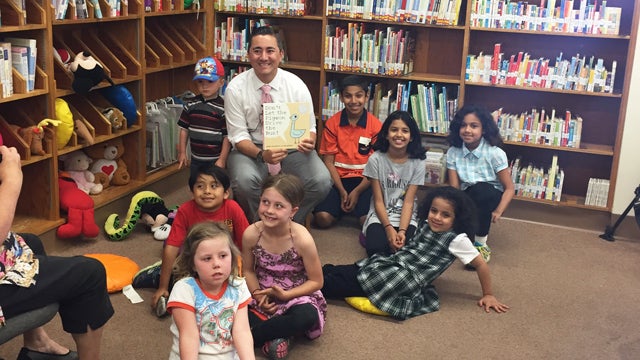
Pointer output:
x,y
248,163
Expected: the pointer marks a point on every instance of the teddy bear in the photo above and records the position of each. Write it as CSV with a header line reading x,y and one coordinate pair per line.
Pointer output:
x,y
87,73
79,207
34,135
115,117
76,165
108,166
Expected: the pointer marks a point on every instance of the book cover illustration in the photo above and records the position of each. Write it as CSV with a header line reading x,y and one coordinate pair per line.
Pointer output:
x,y
286,124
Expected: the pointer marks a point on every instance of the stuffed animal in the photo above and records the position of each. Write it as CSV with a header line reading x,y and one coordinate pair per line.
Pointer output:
x,y
33,135
83,132
76,166
108,166
65,116
115,117
146,206
87,73
79,208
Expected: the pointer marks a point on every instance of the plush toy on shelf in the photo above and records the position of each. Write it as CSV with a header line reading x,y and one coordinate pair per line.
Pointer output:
x,y
87,73
76,166
115,117
108,166
79,207
83,132
34,135
146,206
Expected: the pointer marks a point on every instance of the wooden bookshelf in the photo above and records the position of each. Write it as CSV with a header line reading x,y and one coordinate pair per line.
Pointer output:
x,y
119,43
440,53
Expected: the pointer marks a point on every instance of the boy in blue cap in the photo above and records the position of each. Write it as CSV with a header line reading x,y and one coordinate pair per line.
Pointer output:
x,y
202,120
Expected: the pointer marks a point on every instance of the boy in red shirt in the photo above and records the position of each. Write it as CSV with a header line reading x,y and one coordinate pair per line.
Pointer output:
x,y
210,188
347,138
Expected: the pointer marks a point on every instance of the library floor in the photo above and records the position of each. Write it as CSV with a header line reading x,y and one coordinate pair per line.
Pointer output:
x,y
572,296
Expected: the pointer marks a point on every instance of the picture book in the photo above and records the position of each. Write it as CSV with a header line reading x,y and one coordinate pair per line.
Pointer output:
x,y
285,124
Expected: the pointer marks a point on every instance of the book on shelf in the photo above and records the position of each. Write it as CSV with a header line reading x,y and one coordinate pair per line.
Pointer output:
x,y
533,182
436,166
285,124
597,192
7,82
20,60
30,44
81,9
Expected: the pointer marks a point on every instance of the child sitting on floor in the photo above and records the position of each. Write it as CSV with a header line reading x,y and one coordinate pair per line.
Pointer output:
x,y
400,284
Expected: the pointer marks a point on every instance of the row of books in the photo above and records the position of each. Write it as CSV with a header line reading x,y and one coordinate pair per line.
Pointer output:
x,y
597,192
540,127
231,37
19,54
436,12
588,18
271,7
577,73
534,182
78,9
386,52
432,105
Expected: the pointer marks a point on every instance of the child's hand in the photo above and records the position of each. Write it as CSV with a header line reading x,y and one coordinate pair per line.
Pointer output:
x,y
264,301
220,163
157,295
350,201
182,160
489,302
495,216
398,243
279,293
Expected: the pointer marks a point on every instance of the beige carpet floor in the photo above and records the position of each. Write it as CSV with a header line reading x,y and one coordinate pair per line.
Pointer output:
x,y
572,296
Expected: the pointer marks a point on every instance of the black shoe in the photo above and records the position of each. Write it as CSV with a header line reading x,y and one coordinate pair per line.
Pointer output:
x,y
26,354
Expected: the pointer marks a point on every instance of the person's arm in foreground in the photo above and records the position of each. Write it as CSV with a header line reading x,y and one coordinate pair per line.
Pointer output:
x,y
241,333
189,334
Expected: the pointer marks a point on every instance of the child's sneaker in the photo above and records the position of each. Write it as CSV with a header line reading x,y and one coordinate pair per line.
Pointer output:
x,y
484,250
276,348
148,277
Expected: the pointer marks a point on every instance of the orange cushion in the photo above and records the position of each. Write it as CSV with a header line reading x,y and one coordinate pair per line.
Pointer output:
x,y
120,270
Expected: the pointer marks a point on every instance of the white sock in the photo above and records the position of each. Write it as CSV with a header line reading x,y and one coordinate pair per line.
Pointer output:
x,y
482,240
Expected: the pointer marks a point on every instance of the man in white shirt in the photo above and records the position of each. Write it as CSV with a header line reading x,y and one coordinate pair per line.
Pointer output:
x,y
248,163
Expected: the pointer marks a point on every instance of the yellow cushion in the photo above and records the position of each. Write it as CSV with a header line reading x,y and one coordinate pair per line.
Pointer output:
x,y
363,304
65,129
120,270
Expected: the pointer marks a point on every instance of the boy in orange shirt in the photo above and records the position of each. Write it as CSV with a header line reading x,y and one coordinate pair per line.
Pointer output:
x,y
347,138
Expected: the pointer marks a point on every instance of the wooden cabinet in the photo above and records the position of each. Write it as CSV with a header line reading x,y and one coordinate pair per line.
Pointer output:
x,y
150,49
437,54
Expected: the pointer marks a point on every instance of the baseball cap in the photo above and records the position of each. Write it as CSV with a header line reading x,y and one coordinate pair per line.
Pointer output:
x,y
208,68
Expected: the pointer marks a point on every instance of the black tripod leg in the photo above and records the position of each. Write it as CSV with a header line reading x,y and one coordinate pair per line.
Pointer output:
x,y
610,230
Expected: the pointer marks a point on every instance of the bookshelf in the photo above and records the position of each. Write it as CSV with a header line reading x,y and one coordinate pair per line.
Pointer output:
x,y
437,53
149,51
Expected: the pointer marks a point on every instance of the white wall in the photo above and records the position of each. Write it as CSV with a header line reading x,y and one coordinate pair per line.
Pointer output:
x,y
629,165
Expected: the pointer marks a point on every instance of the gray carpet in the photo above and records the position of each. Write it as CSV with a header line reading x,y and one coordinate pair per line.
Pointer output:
x,y
572,296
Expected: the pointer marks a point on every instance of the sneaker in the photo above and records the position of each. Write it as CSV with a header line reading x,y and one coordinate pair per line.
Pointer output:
x,y
161,233
148,277
484,250
276,349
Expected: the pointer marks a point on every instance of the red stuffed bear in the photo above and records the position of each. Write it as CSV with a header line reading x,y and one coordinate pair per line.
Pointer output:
x,y
79,208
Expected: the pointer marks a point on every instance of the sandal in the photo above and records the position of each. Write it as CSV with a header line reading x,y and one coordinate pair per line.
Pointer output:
x,y
276,348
